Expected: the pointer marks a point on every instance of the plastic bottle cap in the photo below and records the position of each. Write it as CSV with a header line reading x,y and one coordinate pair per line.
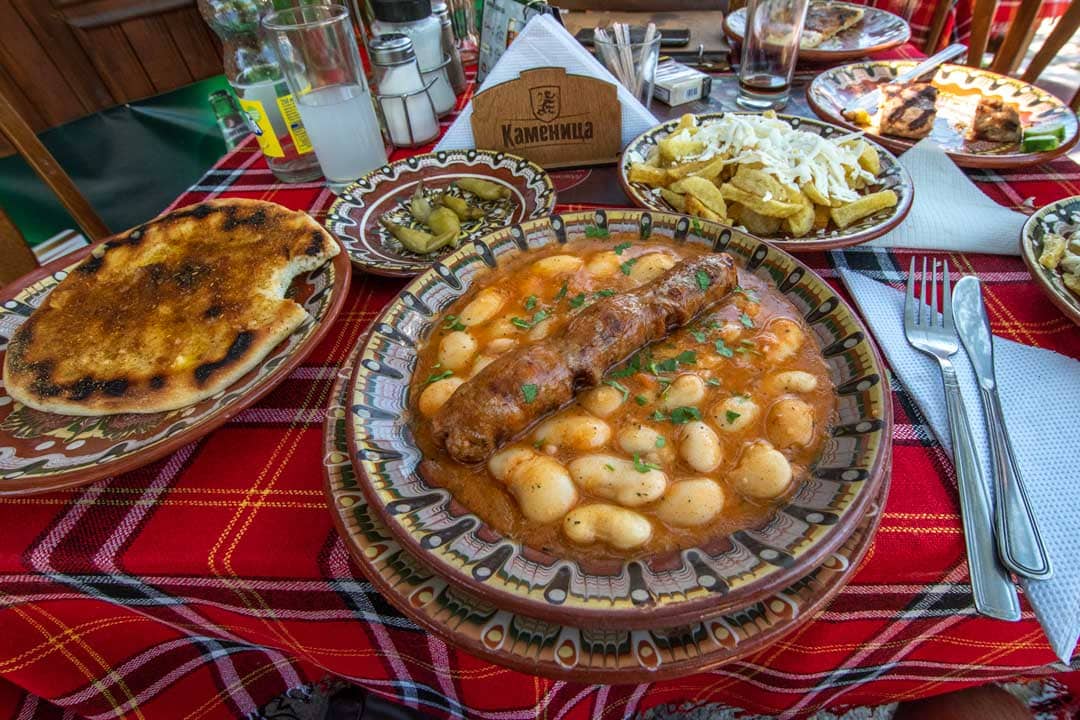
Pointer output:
x,y
401,10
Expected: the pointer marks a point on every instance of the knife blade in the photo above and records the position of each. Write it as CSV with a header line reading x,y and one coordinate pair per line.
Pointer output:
x,y
870,101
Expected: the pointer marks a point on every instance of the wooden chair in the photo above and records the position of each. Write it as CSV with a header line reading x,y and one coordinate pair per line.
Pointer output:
x,y
16,257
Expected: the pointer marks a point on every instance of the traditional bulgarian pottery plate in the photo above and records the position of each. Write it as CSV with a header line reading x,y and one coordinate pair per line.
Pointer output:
x,y
566,652
893,177
661,590
959,90
354,217
43,451
877,30
1061,218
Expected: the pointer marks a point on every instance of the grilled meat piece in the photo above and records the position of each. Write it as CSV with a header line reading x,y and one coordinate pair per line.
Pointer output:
x,y
490,408
997,120
908,110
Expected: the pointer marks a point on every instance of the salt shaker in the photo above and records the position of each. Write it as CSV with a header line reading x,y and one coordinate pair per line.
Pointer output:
x,y
413,19
403,94
454,70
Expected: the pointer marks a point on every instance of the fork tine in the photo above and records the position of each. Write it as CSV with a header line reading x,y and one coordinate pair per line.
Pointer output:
x,y
933,294
923,308
946,299
911,309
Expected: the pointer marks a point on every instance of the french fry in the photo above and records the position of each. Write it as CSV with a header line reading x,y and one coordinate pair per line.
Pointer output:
x,y
674,199
674,148
801,222
772,208
681,170
696,207
758,182
811,190
821,216
866,205
686,122
651,176
711,170
704,191
758,224
869,159
653,158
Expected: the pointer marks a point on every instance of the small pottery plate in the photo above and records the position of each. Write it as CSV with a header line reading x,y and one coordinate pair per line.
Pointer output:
x,y
726,573
566,652
878,30
41,451
959,89
893,177
1063,218
354,217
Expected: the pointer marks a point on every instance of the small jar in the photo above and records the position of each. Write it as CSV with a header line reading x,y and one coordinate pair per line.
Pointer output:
x,y
403,95
413,19
454,70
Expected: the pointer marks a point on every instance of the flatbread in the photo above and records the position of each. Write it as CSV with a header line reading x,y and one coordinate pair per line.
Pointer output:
x,y
169,313
826,20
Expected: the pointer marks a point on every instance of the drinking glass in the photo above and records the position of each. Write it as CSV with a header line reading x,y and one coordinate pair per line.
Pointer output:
x,y
317,51
770,48
633,63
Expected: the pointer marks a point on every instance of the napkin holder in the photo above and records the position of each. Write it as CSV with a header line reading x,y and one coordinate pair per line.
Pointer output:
x,y
553,118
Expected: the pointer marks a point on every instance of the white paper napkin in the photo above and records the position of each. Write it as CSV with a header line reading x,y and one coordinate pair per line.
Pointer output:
x,y
949,212
546,43
1040,391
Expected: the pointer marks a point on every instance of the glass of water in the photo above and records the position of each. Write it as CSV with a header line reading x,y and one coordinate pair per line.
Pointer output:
x,y
770,48
317,50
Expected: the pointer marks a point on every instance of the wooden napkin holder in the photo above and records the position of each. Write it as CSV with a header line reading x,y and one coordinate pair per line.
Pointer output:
x,y
555,119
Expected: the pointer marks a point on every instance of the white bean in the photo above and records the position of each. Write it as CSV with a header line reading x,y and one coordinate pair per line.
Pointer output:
x,y
790,422
796,381
481,362
557,265
502,463
763,472
436,394
604,264
699,446
787,339
651,266
579,432
735,413
689,503
456,350
614,478
618,527
542,488
638,438
541,329
500,345
482,307
503,327
602,401
686,391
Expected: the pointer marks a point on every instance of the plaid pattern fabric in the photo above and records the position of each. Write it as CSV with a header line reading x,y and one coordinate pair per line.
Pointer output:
x,y
206,583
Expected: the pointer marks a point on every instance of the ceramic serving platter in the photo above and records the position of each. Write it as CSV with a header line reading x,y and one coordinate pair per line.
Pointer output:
x,y
354,217
567,652
653,591
41,451
959,89
893,176
878,30
1063,218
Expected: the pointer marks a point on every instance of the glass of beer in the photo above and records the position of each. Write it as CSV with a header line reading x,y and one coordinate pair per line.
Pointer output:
x,y
770,48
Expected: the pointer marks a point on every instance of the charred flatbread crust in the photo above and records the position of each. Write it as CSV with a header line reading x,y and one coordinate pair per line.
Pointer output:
x,y
168,313
826,20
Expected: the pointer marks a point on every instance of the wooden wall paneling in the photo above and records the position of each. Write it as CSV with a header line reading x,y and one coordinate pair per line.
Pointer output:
x,y
116,62
60,42
33,71
195,41
99,13
22,105
154,46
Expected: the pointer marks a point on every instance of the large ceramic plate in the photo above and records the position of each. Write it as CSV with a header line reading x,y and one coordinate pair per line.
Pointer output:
x,y
959,90
1061,217
878,30
892,176
42,451
567,652
354,217
653,591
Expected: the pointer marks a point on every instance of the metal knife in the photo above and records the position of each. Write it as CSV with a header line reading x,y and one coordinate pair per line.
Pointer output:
x,y
870,101
1020,546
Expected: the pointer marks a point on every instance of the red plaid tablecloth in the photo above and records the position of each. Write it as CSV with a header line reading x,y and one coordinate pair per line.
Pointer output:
x,y
204,584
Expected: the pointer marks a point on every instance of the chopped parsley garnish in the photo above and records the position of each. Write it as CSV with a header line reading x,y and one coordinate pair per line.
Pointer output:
x,y
436,377
530,302
750,294
703,281
746,321
625,267
643,467
538,444
640,399
713,325
595,231
620,247
538,317
687,357
698,335
658,416
732,416
660,441
723,349
713,381
528,391
606,292
667,365
523,324
452,323
578,300
562,292
683,415
610,467
620,387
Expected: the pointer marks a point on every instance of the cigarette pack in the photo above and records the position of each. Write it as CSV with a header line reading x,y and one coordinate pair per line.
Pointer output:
x,y
677,83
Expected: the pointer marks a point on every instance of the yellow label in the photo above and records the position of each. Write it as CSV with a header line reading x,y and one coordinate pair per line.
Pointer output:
x,y
296,128
260,125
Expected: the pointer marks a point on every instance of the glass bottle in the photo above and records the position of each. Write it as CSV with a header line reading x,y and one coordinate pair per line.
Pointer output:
x,y
252,71
230,120
406,105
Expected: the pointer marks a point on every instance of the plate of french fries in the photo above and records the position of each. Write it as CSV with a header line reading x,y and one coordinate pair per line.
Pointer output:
x,y
799,183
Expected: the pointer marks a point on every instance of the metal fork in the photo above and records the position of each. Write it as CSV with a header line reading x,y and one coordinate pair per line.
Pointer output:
x,y
935,335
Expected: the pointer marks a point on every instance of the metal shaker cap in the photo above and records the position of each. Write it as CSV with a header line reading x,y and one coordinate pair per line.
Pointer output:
x,y
391,49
